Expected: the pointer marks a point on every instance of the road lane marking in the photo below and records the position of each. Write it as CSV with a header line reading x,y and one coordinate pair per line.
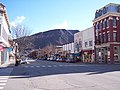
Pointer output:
x,y
43,66
61,65
31,66
49,66
37,66
55,65
26,66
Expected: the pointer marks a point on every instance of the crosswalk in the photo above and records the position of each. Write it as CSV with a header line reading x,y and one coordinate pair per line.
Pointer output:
x,y
4,76
51,66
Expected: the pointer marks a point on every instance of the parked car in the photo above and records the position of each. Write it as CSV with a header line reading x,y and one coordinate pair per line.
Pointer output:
x,y
24,61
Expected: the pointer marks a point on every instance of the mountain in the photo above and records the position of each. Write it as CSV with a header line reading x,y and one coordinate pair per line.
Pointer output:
x,y
51,37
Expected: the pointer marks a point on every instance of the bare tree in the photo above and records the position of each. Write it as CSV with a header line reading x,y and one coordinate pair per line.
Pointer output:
x,y
20,30
19,33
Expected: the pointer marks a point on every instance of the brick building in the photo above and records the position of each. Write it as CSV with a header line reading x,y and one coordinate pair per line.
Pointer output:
x,y
107,34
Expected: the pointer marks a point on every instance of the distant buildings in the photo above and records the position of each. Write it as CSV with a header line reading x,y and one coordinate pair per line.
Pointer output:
x,y
107,34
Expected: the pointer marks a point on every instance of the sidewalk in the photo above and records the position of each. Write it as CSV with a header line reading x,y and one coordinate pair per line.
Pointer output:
x,y
9,64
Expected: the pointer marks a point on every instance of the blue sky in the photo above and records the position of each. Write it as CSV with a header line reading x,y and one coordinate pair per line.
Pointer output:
x,y
42,15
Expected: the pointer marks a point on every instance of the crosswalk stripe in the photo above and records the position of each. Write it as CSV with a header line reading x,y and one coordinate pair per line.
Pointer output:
x,y
1,88
2,78
2,84
3,81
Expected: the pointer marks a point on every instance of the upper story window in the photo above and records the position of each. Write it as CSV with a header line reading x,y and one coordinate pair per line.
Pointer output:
x,y
90,43
80,43
86,43
104,37
114,21
97,26
114,36
101,39
107,23
108,36
103,22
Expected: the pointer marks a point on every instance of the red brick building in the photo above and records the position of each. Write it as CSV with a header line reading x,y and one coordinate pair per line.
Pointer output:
x,y
107,34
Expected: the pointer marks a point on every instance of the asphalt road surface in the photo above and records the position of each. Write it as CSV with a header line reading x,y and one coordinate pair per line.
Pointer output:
x,y
50,75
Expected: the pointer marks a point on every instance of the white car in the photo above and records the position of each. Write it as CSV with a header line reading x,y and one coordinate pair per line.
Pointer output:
x,y
24,61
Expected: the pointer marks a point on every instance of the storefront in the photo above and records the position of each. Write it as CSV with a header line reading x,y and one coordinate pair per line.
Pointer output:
x,y
108,54
88,56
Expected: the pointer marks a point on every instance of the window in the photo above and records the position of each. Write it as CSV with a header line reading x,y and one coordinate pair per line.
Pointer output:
x,y
86,44
101,39
80,44
107,22
97,26
114,36
103,23
108,36
114,21
90,43
104,37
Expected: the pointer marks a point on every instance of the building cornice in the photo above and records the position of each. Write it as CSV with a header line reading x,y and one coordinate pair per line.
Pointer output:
x,y
106,15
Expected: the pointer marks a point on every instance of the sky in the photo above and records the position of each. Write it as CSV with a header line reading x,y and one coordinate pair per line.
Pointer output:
x,y
43,15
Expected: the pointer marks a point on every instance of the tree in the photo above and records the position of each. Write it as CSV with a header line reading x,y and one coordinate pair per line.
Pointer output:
x,y
20,30
19,33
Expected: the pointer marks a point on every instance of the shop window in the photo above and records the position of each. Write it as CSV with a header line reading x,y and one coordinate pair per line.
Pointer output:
x,y
114,36
114,21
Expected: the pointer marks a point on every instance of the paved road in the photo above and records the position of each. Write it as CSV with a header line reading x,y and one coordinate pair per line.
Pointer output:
x,y
49,75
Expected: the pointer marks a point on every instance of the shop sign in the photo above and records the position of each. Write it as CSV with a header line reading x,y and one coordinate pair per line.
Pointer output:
x,y
1,48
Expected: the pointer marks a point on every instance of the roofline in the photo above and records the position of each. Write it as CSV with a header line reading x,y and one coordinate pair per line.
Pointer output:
x,y
109,5
5,13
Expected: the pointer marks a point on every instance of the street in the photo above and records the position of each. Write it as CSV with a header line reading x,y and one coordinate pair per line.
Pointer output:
x,y
50,75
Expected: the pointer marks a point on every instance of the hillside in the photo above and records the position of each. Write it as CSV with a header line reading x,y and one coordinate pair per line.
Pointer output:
x,y
51,37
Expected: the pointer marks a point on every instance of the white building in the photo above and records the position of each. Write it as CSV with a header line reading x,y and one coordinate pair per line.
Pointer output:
x,y
77,42
5,36
69,48
84,44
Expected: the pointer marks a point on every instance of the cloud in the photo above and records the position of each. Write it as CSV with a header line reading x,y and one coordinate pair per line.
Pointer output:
x,y
64,25
18,20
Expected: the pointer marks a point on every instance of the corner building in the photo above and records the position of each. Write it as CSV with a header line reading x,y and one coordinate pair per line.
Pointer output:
x,y
107,34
